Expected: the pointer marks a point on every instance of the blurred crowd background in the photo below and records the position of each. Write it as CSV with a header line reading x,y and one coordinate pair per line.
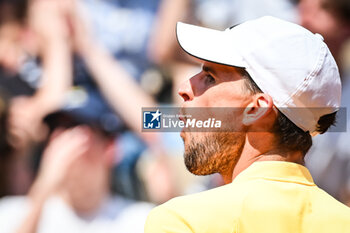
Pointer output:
x,y
74,75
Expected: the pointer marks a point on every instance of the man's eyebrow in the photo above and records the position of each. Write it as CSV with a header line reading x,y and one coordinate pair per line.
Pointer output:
x,y
208,69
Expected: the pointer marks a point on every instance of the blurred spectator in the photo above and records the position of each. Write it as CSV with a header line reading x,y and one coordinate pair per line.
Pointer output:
x,y
127,98
18,46
329,160
40,47
72,192
53,48
54,30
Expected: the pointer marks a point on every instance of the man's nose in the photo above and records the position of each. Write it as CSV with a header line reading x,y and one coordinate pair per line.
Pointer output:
x,y
185,91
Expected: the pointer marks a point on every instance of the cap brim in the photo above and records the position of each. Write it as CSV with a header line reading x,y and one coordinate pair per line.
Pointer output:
x,y
209,45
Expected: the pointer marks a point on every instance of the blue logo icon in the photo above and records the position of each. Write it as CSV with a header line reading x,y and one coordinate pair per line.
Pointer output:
x,y
151,120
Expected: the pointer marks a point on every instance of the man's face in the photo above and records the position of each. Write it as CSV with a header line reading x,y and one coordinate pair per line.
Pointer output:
x,y
215,86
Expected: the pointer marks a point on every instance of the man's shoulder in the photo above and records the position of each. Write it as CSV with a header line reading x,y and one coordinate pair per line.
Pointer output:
x,y
264,202
325,203
218,197
191,213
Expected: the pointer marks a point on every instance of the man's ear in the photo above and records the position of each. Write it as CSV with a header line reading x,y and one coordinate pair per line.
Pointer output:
x,y
260,107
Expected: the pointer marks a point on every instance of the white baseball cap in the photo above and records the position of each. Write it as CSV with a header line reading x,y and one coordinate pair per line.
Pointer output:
x,y
288,62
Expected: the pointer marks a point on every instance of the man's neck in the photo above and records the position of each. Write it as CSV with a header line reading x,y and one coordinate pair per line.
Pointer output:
x,y
250,155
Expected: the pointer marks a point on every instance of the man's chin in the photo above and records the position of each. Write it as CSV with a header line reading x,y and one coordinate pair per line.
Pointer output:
x,y
194,166
199,172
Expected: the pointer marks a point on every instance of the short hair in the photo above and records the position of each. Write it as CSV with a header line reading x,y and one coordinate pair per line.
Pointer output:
x,y
289,136
13,11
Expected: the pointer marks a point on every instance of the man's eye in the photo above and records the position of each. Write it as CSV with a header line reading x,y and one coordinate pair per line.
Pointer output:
x,y
209,79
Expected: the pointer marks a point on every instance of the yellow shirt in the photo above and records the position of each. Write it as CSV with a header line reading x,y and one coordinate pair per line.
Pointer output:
x,y
267,197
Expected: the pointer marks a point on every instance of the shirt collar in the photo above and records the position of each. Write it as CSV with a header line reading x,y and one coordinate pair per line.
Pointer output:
x,y
277,171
